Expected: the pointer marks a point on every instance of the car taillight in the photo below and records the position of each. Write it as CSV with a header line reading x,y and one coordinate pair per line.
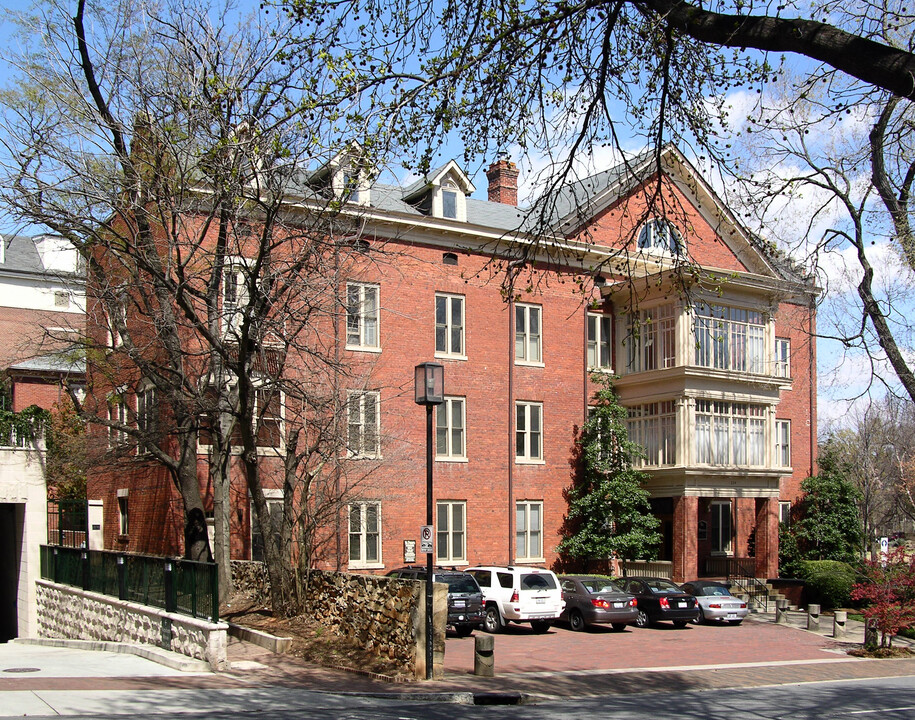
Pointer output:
x,y
633,602
716,606
743,605
600,603
514,597
665,604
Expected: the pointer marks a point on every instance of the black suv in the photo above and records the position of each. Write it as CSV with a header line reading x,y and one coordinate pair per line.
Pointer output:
x,y
465,599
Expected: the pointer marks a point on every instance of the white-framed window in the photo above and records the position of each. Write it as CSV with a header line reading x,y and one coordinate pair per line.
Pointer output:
x,y
362,316
449,429
528,343
451,531
234,296
123,512
117,415
113,339
600,333
363,423
268,416
654,427
449,203
147,417
529,530
783,443
651,339
784,513
449,325
721,526
658,235
528,432
730,433
274,500
365,534
782,357
730,338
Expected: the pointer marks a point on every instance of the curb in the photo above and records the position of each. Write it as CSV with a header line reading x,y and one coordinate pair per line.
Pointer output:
x,y
157,655
273,643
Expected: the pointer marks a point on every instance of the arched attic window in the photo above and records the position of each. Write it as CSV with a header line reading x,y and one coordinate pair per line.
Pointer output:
x,y
660,236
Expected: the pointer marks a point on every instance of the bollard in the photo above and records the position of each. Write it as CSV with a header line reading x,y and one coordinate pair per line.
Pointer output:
x,y
781,611
484,655
870,634
838,623
813,617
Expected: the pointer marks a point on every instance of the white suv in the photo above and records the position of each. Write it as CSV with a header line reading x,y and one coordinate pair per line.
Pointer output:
x,y
519,594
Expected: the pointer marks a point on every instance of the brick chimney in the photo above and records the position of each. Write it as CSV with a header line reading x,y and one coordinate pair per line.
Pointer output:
x,y
503,182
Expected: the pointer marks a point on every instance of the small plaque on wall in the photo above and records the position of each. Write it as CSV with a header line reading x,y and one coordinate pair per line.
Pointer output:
x,y
409,551
703,530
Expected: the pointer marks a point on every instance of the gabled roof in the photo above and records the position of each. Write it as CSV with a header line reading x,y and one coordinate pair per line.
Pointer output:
x,y
435,177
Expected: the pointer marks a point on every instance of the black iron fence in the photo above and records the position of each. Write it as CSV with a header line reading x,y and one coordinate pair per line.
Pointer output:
x,y
181,586
741,574
68,523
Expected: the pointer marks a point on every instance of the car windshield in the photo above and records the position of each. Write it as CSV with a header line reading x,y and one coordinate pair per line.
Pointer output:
x,y
462,584
537,581
600,586
714,590
662,586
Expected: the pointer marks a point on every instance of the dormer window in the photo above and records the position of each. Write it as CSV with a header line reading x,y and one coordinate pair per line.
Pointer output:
x,y
346,177
442,193
660,236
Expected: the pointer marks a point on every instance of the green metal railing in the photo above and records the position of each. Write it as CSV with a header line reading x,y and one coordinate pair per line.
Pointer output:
x,y
175,585
68,523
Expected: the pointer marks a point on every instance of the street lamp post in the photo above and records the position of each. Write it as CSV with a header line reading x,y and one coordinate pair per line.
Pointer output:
x,y
430,391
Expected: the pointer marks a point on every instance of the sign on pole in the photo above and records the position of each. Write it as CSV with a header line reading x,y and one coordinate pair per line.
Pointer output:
x,y
425,539
884,550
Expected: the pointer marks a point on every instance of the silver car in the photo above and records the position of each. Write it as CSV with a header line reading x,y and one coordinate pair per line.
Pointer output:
x,y
716,604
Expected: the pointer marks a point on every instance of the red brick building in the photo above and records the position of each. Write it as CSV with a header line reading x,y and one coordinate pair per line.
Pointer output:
x,y
651,279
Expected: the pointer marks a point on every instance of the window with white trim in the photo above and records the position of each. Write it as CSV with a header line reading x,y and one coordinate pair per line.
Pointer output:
x,y
600,332
363,422
362,316
528,431
117,415
721,527
782,357
113,339
268,416
234,297
659,235
730,433
123,512
783,443
449,429
654,427
651,339
365,534
729,338
528,530
450,530
527,334
784,513
147,417
274,500
449,325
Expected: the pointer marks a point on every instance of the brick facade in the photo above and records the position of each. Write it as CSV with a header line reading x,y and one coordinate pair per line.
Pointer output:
x,y
497,489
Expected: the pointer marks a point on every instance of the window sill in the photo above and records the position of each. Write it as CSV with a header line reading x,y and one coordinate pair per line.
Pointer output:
x,y
452,563
352,565
446,459
529,461
529,560
363,348
605,370
447,356
525,363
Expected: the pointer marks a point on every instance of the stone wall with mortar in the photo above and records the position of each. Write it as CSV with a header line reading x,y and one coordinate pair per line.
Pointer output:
x,y
382,614
69,612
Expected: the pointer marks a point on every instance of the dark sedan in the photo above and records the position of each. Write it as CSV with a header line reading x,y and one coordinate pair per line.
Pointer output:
x,y
593,600
659,599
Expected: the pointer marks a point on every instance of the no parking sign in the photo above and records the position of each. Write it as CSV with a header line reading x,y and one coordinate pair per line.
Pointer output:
x,y
425,539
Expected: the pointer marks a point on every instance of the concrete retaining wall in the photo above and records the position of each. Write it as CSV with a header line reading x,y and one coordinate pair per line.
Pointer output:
x,y
69,612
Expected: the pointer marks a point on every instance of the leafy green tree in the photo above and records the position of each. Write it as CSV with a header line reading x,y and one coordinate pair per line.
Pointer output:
x,y
609,514
66,458
829,527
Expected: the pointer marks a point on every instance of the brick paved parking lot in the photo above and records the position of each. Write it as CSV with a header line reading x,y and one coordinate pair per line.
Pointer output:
x,y
520,650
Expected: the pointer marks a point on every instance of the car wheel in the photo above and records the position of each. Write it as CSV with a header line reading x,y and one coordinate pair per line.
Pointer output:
x,y
735,622
540,626
492,622
642,620
680,623
463,630
700,619
619,627
576,621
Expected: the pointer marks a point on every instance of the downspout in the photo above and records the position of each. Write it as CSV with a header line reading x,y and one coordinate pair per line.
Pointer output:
x,y
511,430
811,368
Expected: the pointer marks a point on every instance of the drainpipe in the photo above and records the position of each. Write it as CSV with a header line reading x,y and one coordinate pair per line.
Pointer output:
x,y
511,431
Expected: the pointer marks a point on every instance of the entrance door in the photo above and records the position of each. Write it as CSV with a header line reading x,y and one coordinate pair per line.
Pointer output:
x,y
721,534
11,523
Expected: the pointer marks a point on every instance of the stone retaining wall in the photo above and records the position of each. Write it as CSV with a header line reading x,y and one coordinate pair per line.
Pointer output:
x,y
386,615
69,612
